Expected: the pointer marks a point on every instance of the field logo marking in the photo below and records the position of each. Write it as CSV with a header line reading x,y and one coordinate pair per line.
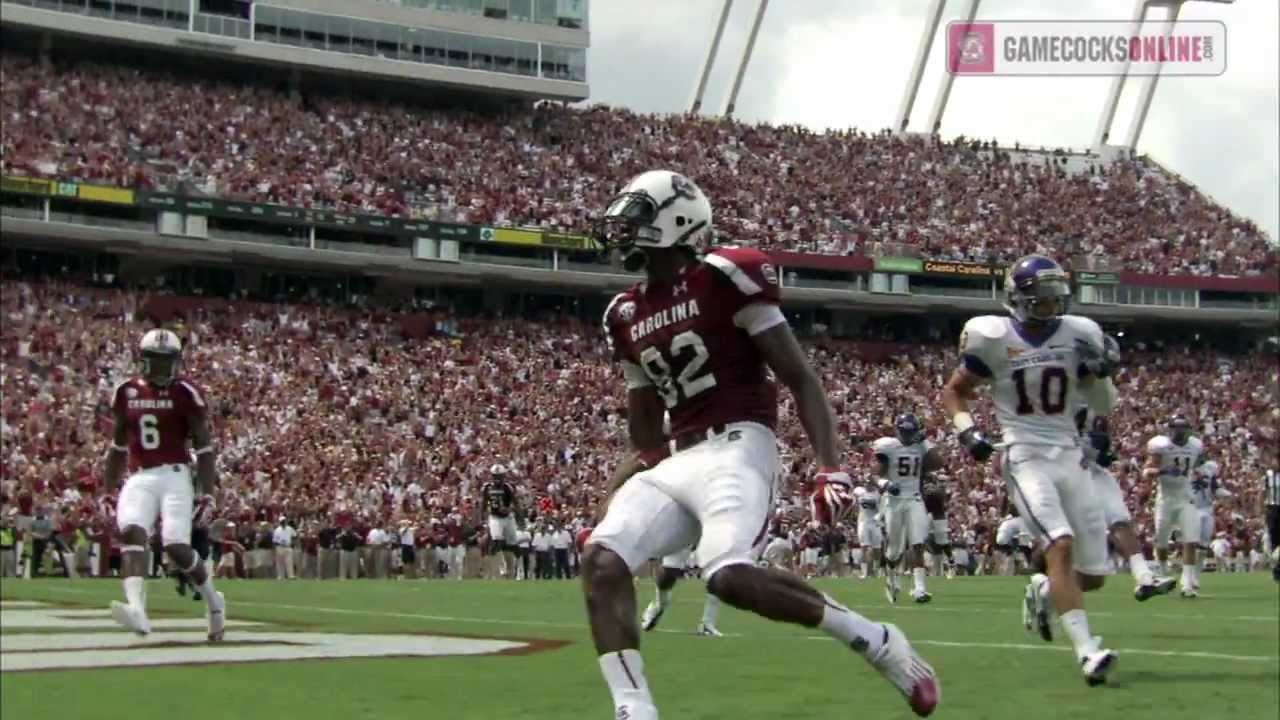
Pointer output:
x,y
178,642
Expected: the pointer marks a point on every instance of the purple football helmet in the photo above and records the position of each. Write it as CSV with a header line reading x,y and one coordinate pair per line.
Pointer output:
x,y
1036,290
1179,429
908,428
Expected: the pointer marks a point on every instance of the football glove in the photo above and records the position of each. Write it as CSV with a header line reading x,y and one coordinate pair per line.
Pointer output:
x,y
893,489
977,444
1099,361
832,497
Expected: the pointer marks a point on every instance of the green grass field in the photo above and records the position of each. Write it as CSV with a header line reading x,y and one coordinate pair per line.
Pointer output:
x,y
1215,657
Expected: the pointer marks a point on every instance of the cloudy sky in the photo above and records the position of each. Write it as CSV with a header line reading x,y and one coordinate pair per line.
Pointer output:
x,y
834,63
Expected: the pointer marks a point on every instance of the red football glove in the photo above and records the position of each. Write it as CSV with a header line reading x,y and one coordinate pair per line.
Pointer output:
x,y
832,497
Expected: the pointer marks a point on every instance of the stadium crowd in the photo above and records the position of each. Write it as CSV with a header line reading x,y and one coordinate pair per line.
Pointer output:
x,y
357,431
784,187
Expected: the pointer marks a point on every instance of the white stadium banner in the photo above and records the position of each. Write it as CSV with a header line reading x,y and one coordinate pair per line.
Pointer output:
x,y
1082,48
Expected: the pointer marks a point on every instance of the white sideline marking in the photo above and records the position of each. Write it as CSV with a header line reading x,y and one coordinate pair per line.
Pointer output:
x,y
934,608
41,616
1060,648
940,643
444,618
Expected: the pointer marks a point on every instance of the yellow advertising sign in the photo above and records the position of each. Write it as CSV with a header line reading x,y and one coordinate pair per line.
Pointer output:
x,y
99,193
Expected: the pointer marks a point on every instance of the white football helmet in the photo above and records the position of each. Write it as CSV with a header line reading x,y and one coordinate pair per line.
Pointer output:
x,y
498,470
656,209
161,354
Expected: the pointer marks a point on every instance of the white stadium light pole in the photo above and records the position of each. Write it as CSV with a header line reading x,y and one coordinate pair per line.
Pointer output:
x,y
1148,90
1117,84
932,20
944,91
727,110
696,105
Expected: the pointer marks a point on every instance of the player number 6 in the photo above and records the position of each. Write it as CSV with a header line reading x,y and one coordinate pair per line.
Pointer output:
x,y
149,430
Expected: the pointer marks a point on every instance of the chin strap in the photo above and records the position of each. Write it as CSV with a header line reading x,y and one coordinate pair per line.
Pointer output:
x,y
635,260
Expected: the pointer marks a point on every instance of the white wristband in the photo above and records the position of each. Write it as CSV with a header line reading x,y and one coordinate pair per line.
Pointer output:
x,y
962,421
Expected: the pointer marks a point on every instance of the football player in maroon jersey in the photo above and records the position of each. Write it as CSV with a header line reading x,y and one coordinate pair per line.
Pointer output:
x,y
154,415
702,337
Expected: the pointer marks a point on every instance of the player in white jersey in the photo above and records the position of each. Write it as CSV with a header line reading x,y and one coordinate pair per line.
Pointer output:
x,y
1095,434
673,567
903,462
1013,539
1040,363
1206,489
870,535
1170,461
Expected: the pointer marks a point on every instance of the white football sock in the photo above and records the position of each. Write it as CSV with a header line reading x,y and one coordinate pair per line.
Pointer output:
x,y
664,598
851,628
918,575
624,673
866,570
1139,569
210,595
1187,582
133,592
1041,581
1077,627
711,610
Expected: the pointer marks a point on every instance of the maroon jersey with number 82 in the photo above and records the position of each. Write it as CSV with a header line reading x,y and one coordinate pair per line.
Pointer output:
x,y
158,420
693,340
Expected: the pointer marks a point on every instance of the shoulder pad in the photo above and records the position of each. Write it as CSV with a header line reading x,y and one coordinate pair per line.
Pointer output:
x,y
980,330
115,392
751,271
193,392
617,308
1159,444
926,445
885,444
988,326
1083,327
622,308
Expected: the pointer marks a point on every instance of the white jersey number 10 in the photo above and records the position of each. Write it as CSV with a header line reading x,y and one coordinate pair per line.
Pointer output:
x,y
1053,391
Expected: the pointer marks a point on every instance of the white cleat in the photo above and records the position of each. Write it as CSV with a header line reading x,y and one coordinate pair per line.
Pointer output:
x,y
709,630
636,711
1035,612
891,589
1190,592
1096,665
652,614
921,597
217,615
899,663
130,618
1158,585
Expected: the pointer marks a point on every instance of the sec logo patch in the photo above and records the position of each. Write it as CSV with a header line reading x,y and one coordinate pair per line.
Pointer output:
x,y
770,275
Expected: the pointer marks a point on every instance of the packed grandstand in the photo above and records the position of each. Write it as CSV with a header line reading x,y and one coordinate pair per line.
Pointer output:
x,y
440,394
289,381
783,188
